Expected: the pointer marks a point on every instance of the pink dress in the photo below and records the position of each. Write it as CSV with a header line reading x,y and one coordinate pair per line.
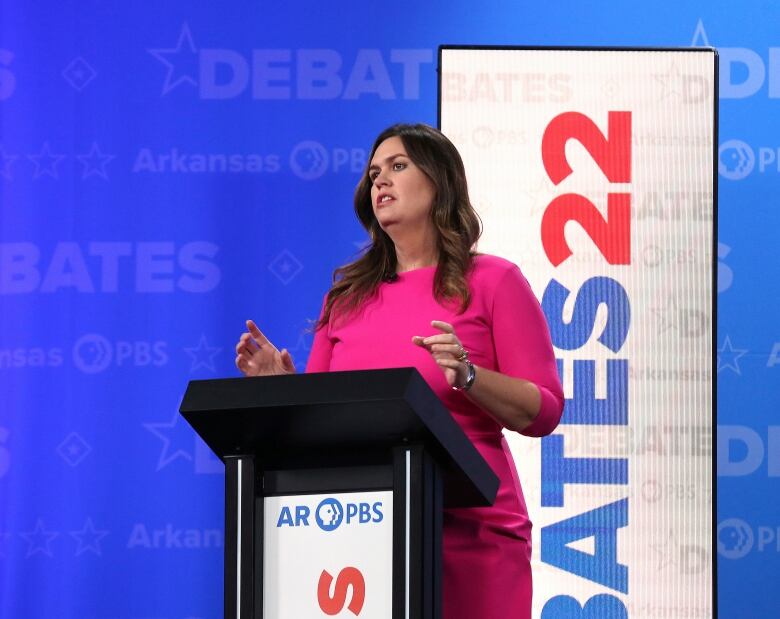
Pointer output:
x,y
487,551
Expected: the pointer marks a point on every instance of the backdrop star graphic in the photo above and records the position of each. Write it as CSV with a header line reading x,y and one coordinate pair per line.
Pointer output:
x,y
668,552
300,352
728,356
46,162
88,538
177,440
95,162
181,61
700,36
6,161
670,82
667,316
362,246
39,539
685,321
202,355
535,193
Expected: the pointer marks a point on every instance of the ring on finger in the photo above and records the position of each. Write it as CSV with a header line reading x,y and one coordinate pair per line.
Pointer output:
x,y
462,355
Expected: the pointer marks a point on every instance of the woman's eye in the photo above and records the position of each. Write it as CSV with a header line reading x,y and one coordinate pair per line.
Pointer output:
x,y
396,167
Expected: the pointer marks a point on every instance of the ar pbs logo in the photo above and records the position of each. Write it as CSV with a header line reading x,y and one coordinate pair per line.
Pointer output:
x,y
330,514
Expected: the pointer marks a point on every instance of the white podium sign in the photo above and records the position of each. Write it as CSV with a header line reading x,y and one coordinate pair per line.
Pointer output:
x,y
328,555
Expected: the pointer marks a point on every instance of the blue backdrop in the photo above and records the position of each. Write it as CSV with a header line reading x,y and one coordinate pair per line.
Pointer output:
x,y
168,170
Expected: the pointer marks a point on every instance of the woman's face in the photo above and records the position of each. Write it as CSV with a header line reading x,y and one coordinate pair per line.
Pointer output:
x,y
401,194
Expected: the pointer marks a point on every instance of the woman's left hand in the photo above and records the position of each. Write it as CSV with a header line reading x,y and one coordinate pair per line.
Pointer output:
x,y
447,351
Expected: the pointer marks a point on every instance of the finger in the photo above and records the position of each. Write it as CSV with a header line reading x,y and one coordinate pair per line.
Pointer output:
x,y
442,326
287,361
248,346
442,338
418,340
449,362
256,333
241,364
246,354
452,349
247,337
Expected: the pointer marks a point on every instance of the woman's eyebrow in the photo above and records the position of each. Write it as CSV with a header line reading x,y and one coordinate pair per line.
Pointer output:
x,y
390,158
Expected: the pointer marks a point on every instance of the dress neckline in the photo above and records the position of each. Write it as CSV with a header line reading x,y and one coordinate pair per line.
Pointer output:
x,y
412,272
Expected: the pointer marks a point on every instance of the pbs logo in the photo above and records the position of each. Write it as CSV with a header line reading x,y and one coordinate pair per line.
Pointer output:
x,y
329,514
309,160
92,353
735,538
735,160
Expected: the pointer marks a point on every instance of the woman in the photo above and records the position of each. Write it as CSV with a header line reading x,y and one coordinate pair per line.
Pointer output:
x,y
419,296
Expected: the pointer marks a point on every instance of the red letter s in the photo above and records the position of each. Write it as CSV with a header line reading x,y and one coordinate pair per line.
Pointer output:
x,y
346,577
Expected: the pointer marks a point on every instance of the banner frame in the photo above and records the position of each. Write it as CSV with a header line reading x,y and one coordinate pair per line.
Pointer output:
x,y
714,249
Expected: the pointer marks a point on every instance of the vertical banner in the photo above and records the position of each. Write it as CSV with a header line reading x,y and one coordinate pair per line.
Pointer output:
x,y
593,171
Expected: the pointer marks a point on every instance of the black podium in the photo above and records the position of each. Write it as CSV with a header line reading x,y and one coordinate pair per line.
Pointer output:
x,y
338,432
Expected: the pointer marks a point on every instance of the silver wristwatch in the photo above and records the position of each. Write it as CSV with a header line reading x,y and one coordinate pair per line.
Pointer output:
x,y
469,379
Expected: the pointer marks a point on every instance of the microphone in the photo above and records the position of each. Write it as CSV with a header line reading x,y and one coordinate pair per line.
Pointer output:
x,y
391,278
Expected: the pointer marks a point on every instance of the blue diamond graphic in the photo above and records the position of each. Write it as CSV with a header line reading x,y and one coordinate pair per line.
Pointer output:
x,y
79,73
285,267
73,449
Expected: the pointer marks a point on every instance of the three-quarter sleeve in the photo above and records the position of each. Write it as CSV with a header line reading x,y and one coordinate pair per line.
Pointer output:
x,y
321,349
523,347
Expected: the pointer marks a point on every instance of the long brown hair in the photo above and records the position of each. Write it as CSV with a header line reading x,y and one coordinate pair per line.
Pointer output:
x,y
452,215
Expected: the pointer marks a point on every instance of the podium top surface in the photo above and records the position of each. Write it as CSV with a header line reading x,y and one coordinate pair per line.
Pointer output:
x,y
346,418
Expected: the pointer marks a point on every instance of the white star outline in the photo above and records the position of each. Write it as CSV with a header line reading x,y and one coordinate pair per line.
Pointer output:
x,y
39,539
700,36
95,162
663,313
92,535
684,320
185,38
732,356
163,431
46,162
362,246
667,551
202,355
670,82
535,192
300,352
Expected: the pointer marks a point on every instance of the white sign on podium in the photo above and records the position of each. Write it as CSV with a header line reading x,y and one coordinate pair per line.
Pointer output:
x,y
328,555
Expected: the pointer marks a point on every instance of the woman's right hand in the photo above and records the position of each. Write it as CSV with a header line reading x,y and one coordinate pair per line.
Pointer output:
x,y
258,357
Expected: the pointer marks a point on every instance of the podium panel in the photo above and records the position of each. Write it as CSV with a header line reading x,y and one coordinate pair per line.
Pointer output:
x,y
328,553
